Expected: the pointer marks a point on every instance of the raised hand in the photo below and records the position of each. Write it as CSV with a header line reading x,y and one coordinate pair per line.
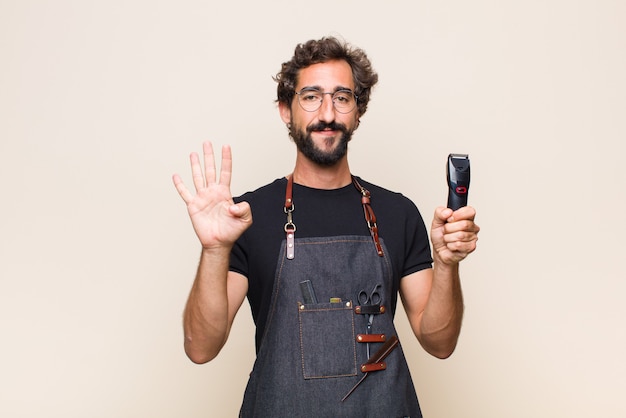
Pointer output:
x,y
454,234
216,219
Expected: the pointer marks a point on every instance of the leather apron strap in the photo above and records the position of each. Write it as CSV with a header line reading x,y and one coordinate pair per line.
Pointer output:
x,y
370,217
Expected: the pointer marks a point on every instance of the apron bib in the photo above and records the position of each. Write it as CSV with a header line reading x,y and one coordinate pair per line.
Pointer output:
x,y
311,354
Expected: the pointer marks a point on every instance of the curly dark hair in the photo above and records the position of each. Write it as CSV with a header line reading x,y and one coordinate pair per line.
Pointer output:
x,y
324,50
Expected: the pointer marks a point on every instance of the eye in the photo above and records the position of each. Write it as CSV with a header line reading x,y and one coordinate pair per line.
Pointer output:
x,y
310,96
343,97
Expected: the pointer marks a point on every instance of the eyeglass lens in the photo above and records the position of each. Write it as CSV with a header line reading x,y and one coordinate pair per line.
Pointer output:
x,y
311,100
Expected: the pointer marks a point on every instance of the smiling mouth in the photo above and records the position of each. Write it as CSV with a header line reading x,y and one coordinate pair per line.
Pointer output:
x,y
326,131
329,136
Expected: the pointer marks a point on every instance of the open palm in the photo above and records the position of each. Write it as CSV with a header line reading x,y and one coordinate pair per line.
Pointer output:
x,y
216,219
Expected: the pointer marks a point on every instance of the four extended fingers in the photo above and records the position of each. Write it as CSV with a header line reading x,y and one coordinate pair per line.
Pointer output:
x,y
202,178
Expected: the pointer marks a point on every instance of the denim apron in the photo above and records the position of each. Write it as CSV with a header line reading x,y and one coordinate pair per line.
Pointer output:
x,y
311,357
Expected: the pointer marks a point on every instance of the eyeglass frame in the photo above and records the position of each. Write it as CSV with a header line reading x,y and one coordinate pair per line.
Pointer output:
x,y
313,89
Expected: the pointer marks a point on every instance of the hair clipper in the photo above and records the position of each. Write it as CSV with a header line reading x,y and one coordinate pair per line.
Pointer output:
x,y
458,173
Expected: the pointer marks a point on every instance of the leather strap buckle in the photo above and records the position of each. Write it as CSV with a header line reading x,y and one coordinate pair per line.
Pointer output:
x,y
373,367
369,309
370,217
371,338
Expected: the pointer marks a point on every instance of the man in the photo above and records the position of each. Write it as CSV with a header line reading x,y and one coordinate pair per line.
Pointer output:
x,y
324,260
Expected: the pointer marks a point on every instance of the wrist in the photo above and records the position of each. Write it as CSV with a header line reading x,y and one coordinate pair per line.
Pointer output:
x,y
216,251
445,267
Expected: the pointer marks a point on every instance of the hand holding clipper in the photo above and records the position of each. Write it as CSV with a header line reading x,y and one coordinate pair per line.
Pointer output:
x,y
458,173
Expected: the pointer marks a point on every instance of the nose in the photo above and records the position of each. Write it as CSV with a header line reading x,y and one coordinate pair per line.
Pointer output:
x,y
327,109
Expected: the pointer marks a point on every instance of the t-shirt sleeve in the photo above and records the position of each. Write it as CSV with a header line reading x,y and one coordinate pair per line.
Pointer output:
x,y
418,255
238,259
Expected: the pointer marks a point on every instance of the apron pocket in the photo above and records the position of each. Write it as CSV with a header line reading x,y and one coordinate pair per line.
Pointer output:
x,y
327,340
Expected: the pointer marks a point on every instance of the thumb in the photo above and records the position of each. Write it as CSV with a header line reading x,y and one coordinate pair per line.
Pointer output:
x,y
241,210
442,216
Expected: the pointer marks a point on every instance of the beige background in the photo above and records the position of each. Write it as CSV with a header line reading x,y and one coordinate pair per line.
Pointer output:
x,y
101,101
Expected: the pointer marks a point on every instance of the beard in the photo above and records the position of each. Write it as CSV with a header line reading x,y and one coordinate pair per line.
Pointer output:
x,y
307,147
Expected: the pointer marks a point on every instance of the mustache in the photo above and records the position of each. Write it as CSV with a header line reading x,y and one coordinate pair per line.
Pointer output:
x,y
334,126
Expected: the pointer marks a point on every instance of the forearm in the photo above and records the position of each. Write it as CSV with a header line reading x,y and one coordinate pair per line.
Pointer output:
x,y
441,320
206,317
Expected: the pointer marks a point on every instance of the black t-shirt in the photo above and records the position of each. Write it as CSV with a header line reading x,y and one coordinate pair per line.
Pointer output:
x,y
323,213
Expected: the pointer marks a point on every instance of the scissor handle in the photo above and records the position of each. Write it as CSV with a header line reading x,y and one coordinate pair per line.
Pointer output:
x,y
363,298
373,298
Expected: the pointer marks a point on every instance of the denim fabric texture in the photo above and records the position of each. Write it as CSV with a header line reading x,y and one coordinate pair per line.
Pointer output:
x,y
309,357
327,351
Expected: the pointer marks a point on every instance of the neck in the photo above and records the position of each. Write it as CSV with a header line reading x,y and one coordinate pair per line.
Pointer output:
x,y
307,173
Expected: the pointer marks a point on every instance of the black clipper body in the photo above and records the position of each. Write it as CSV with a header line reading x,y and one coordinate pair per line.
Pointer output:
x,y
458,173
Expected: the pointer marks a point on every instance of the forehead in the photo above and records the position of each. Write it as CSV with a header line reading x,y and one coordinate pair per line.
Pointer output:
x,y
326,75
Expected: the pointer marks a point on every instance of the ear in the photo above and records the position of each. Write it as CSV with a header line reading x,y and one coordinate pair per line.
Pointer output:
x,y
285,112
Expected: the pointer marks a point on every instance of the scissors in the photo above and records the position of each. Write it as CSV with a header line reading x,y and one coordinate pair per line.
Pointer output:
x,y
364,299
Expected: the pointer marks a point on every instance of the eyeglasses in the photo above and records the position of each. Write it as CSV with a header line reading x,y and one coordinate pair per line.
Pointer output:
x,y
310,99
